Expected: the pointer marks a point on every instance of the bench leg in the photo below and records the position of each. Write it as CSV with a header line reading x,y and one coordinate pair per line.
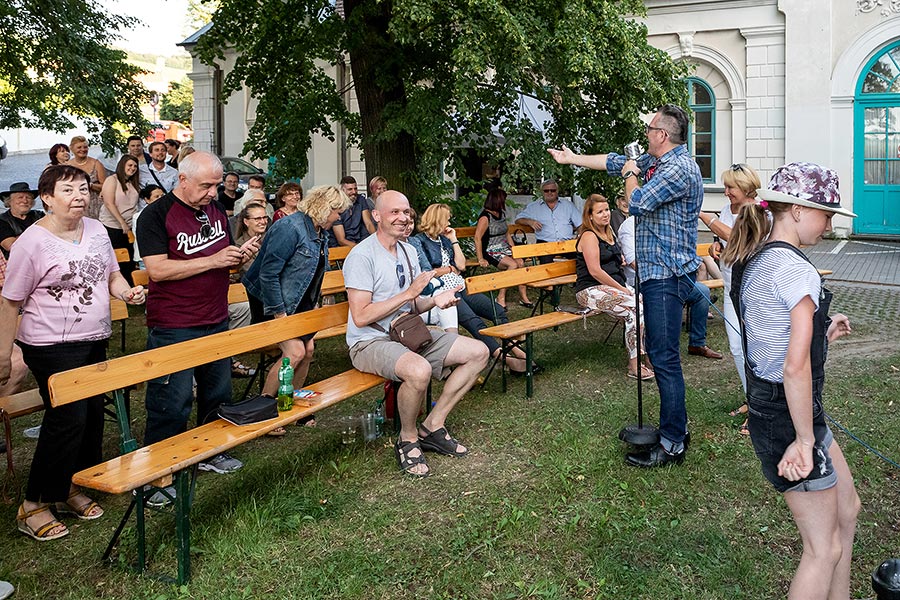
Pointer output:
x,y
183,497
123,336
127,442
529,375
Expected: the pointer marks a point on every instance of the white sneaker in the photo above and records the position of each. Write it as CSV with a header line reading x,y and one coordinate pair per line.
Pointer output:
x,y
6,590
32,433
159,499
221,463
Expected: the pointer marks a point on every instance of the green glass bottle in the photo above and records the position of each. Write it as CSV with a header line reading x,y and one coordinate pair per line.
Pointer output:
x,y
285,385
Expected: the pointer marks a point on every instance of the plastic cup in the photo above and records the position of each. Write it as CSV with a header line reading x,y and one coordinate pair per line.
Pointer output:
x,y
348,430
369,427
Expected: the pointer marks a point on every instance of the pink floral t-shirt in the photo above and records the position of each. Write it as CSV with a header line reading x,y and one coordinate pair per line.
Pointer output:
x,y
64,286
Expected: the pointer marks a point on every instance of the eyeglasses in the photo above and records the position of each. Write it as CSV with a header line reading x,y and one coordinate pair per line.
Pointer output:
x,y
263,218
737,167
401,277
206,229
649,129
553,191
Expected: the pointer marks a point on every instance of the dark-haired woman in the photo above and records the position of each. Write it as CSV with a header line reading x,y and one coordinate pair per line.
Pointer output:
x,y
59,155
493,243
62,273
120,199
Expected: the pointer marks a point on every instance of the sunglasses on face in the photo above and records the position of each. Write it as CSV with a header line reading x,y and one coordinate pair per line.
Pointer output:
x,y
206,229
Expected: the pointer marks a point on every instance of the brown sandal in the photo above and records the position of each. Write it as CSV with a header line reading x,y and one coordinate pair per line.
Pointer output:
x,y
42,533
83,512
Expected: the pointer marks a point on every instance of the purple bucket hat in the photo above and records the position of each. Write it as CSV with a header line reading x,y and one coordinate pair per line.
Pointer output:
x,y
805,184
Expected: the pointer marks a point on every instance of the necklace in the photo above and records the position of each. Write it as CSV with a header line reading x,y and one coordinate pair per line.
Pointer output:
x,y
69,236
80,162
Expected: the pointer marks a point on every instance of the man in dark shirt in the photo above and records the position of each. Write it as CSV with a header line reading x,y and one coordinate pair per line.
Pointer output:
x,y
230,192
18,199
186,244
356,222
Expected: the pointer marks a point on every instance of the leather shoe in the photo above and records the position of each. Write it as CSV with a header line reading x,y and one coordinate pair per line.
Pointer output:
x,y
657,457
704,351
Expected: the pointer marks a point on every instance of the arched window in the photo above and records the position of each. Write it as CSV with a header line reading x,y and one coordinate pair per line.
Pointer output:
x,y
702,131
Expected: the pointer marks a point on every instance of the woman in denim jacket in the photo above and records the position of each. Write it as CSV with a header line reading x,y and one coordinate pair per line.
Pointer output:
x,y
286,277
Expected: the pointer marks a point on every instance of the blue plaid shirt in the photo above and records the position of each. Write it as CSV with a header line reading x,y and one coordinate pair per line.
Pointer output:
x,y
667,207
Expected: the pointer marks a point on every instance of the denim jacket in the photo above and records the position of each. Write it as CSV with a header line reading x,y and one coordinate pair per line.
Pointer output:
x,y
430,251
286,264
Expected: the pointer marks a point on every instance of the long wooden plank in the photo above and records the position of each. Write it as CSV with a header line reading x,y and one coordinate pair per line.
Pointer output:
x,y
548,283
530,325
333,282
92,380
464,232
145,465
23,403
237,293
118,310
543,249
505,279
140,277
338,253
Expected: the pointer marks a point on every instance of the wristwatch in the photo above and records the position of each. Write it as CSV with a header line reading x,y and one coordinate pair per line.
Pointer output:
x,y
630,174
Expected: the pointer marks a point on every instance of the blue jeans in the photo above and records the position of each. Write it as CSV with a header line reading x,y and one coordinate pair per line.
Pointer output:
x,y
664,301
170,398
698,301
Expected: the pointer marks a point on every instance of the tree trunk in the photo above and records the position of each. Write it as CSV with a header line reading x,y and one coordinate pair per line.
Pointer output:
x,y
379,85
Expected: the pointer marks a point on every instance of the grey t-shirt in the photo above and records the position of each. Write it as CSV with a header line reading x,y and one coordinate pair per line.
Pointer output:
x,y
371,268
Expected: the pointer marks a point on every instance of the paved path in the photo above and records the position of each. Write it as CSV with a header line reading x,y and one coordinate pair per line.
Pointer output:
x,y
860,261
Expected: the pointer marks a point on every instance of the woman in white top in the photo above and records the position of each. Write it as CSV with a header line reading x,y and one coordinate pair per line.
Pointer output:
x,y
95,170
741,182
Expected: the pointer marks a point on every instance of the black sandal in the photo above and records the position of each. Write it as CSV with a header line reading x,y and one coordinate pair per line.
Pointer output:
x,y
440,441
407,462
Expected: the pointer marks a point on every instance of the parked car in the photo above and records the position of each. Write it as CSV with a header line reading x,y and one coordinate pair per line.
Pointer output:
x,y
245,170
3,151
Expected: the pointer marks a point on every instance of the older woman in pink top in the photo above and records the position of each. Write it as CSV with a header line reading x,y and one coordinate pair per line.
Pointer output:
x,y
61,275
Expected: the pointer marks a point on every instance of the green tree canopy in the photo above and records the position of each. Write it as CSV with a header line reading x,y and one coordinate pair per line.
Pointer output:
x,y
434,76
55,62
178,103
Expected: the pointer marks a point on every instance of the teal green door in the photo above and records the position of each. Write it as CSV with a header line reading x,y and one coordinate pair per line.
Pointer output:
x,y
876,191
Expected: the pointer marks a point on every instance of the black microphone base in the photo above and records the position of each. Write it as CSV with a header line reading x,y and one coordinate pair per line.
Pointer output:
x,y
639,435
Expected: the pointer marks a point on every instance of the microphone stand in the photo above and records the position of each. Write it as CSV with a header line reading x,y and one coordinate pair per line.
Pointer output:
x,y
638,434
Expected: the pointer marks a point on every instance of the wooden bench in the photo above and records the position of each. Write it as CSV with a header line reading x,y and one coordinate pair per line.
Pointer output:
x,y
174,461
338,254
511,334
13,407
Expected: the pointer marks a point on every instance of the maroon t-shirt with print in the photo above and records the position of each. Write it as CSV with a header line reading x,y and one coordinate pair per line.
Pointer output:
x,y
171,227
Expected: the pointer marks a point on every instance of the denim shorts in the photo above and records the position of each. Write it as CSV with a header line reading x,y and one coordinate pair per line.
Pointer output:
x,y
772,431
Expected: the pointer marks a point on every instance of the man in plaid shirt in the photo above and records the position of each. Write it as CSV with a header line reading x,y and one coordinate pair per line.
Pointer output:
x,y
667,206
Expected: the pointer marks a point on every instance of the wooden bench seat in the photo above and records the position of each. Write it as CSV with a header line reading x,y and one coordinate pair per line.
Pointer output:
x,y
509,334
23,403
157,461
175,460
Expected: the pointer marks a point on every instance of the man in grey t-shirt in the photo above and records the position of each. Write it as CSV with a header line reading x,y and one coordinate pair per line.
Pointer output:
x,y
383,281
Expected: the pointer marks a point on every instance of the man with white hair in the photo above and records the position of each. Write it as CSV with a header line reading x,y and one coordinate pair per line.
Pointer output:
x,y
188,249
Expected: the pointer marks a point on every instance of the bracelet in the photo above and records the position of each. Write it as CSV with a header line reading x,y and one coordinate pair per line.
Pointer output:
x,y
711,221
455,244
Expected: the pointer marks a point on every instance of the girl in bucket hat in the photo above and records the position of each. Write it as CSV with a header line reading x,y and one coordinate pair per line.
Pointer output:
x,y
785,328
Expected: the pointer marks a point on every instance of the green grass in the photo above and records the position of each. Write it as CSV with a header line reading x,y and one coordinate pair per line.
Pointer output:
x,y
544,507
